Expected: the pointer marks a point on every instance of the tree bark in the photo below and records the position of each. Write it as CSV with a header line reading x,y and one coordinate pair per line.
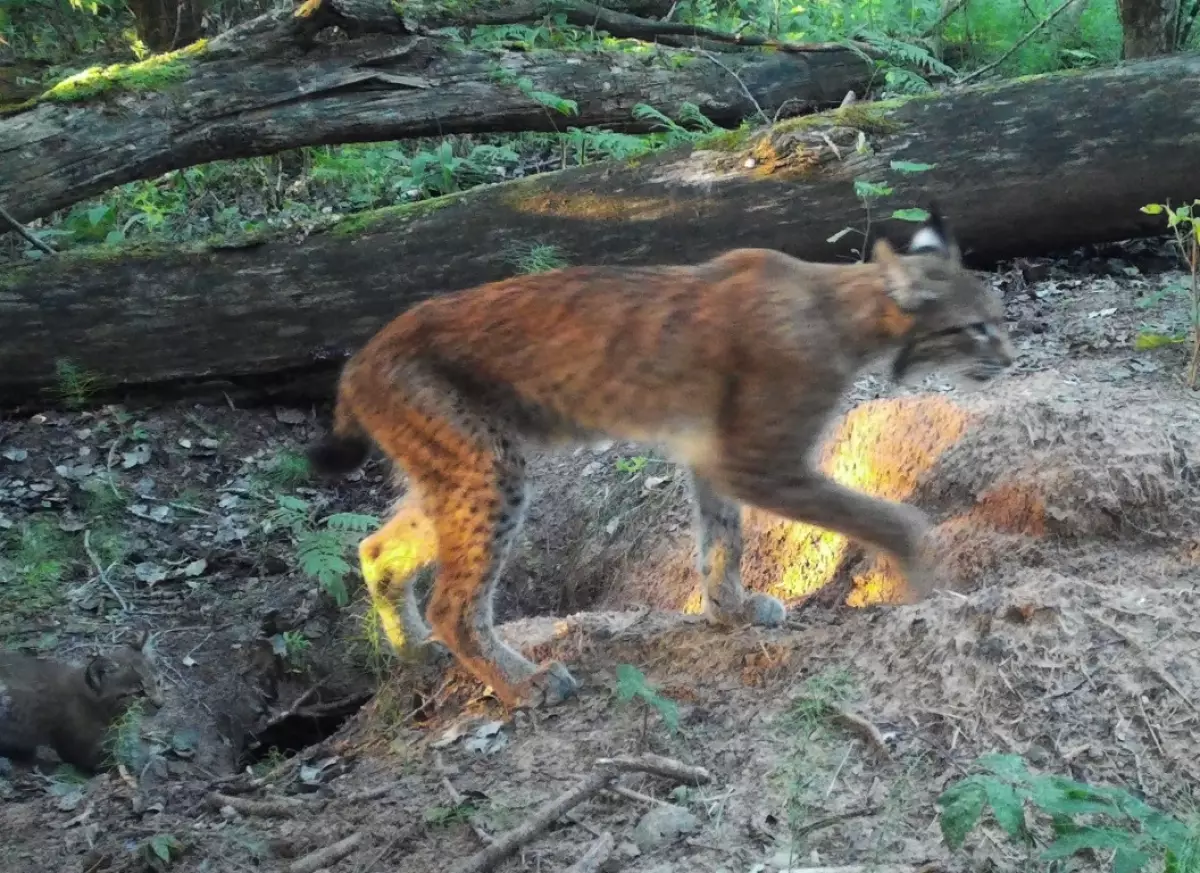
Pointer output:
x,y
1148,27
1020,168
267,86
164,25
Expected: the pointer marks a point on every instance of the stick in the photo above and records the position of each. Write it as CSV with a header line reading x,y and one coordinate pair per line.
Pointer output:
x,y
596,855
24,231
625,26
820,823
987,68
327,856
458,800
103,574
606,770
283,807
857,723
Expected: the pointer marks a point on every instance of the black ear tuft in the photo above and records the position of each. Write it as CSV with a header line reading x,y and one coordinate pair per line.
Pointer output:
x,y
933,235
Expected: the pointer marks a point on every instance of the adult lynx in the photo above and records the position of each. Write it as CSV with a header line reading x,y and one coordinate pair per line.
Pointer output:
x,y
734,365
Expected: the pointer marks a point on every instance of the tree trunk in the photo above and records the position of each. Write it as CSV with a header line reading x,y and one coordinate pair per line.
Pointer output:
x,y
165,25
1019,168
264,88
1149,27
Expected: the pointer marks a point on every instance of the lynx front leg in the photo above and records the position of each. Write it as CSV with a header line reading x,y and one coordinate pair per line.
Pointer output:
x,y
718,523
812,498
394,560
477,516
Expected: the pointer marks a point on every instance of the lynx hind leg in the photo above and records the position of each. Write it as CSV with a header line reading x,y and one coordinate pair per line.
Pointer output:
x,y
394,560
476,498
718,523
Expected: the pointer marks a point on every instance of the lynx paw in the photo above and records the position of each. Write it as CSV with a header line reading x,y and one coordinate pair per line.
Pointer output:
x,y
549,686
764,610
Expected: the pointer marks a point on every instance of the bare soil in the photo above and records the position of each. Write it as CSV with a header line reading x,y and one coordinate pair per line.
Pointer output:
x,y
1068,502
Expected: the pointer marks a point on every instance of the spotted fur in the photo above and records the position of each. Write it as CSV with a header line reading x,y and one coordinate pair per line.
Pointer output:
x,y
734,365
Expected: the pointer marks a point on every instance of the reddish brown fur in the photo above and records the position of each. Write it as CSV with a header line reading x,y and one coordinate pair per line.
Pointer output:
x,y
734,364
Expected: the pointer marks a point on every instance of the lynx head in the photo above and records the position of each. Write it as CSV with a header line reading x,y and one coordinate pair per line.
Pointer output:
x,y
124,675
956,321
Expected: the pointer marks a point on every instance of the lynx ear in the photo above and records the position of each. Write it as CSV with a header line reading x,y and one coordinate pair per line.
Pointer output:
x,y
900,286
932,236
97,669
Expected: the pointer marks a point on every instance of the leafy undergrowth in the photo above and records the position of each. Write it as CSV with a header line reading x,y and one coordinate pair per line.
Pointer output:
x,y
309,186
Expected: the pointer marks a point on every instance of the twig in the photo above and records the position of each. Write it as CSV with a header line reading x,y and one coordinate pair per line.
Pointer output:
x,y
458,800
944,17
327,856
856,722
606,770
741,84
625,26
629,793
596,855
24,231
282,807
861,812
101,572
987,68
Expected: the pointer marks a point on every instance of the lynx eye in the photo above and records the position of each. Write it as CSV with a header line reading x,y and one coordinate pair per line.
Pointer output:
x,y
979,331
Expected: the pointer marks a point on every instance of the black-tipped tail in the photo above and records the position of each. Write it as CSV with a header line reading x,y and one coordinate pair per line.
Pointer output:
x,y
338,454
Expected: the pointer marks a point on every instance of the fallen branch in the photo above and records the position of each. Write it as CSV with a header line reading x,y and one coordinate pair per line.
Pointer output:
x,y
821,823
327,856
987,68
283,807
22,230
458,800
596,855
101,573
607,769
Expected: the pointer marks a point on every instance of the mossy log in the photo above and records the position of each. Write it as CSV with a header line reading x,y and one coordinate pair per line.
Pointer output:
x,y
277,83
1021,168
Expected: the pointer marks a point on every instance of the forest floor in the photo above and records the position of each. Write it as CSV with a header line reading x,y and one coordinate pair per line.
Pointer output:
x,y
1067,496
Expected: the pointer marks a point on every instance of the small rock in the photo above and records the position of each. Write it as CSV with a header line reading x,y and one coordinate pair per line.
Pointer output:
x,y
628,850
663,825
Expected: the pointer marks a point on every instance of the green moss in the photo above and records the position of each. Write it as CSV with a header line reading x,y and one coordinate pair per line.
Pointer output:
x,y
874,118
152,74
725,140
361,222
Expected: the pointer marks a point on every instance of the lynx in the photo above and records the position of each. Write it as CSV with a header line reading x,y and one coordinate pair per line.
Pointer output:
x,y
71,708
734,365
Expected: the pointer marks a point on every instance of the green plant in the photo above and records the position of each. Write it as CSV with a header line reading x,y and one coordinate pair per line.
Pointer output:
x,y
74,385
633,685
534,257
321,547
33,564
288,470
1075,817
810,756
1185,224
294,646
159,851
633,465
124,738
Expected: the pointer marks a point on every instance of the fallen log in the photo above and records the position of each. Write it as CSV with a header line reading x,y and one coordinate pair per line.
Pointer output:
x,y
1020,168
270,86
